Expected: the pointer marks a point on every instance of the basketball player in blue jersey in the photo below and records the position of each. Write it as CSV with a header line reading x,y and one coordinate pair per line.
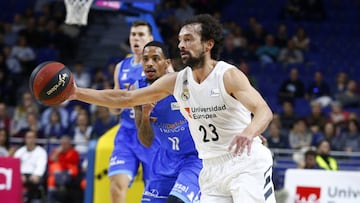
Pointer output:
x,y
128,152
218,102
176,166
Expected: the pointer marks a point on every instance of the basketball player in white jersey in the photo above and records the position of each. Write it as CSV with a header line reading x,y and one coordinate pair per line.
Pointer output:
x,y
217,100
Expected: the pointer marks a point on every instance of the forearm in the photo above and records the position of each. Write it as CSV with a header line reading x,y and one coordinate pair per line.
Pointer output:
x,y
110,98
260,121
145,131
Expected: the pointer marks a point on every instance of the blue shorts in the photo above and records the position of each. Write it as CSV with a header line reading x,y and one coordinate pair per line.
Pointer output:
x,y
173,174
128,153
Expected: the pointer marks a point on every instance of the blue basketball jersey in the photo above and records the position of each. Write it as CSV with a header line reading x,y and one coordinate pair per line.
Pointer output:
x,y
170,127
175,167
127,75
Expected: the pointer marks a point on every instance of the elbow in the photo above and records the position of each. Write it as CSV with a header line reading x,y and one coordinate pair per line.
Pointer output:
x,y
268,114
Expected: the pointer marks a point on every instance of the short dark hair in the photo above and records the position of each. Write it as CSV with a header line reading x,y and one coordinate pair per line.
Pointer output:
x,y
160,45
310,153
142,23
210,29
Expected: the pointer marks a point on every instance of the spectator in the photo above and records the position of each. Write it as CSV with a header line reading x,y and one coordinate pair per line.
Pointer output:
x,y
33,166
290,54
337,115
25,54
291,88
31,34
64,115
54,128
300,136
5,119
245,68
352,137
103,121
288,117
332,135
14,67
63,169
269,52
281,37
100,80
319,89
339,86
4,143
230,52
10,36
275,137
301,39
26,106
310,160
324,159
7,84
33,124
82,78
256,35
350,98
317,117
82,133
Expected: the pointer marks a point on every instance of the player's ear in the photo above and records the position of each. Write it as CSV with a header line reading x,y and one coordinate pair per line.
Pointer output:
x,y
209,44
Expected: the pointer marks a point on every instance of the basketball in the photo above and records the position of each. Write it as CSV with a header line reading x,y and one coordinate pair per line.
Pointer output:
x,y
51,83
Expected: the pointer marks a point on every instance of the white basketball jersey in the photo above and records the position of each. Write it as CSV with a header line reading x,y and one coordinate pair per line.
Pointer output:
x,y
214,116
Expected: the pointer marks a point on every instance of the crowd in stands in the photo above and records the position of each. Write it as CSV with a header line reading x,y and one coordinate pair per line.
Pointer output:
x,y
307,111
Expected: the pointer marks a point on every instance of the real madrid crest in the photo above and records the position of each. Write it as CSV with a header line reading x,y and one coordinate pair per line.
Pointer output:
x,y
185,95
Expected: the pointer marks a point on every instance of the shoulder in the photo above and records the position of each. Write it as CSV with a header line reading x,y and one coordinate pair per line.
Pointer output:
x,y
19,151
40,149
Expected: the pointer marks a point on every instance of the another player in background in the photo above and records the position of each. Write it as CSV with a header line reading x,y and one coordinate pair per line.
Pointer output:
x,y
217,100
176,166
128,152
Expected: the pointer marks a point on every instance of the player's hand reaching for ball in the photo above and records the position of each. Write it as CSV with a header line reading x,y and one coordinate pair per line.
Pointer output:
x,y
73,94
239,143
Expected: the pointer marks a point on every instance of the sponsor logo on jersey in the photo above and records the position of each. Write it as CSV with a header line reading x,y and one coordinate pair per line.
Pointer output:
x,y
180,187
114,161
307,194
187,109
154,193
174,106
204,112
172,127
214,92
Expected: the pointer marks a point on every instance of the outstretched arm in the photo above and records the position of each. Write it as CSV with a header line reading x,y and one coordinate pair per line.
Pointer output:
x,y
116,98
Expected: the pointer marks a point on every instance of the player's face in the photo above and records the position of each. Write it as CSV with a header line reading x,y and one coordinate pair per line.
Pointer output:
x,y
154,63
192,49
139,36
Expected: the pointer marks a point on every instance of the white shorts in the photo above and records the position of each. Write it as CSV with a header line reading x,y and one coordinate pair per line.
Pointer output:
x,y
238,179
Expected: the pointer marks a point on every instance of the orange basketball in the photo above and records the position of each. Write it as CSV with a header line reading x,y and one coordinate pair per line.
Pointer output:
x,y
51,83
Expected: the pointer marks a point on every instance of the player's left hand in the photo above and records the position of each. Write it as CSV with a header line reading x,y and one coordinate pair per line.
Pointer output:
x,y
240,142
147,108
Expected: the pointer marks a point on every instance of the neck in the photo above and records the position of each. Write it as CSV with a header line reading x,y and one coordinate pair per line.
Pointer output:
x,y
30,148
137,59
201,73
